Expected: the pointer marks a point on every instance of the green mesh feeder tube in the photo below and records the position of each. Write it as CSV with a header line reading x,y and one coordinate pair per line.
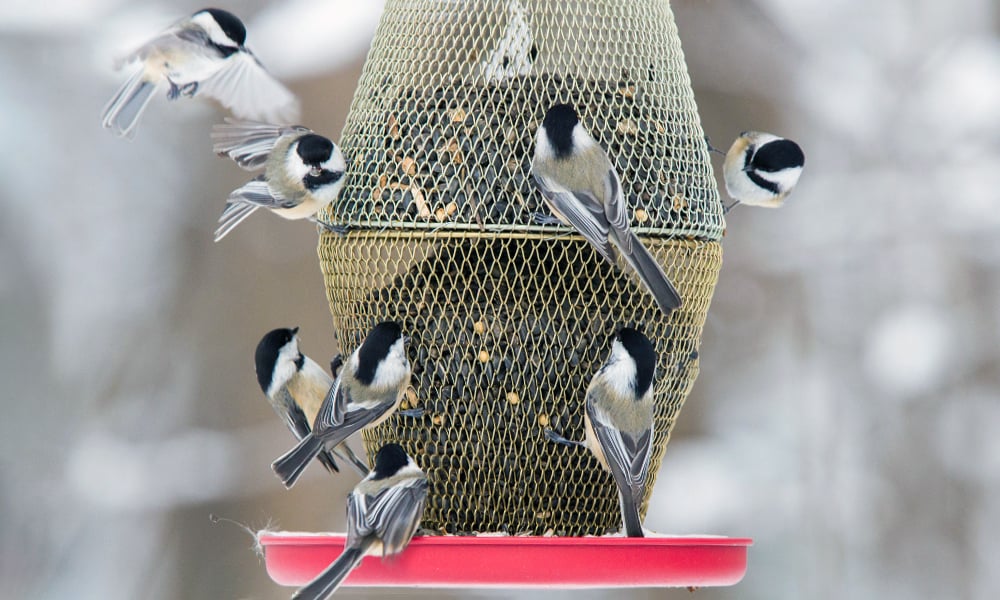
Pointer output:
x,y
509,320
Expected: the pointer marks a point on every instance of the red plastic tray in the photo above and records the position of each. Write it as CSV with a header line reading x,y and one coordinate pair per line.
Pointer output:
x,y
518,562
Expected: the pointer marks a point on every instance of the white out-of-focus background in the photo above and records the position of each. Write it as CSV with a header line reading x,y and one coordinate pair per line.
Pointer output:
x,y
847,416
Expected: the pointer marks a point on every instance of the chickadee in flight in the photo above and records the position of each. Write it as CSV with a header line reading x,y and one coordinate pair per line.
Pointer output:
x,y
303,171
203,53
368,389
383,513
582,189
295,386
619,420
761,169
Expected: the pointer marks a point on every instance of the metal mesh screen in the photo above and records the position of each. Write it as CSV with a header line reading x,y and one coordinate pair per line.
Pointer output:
x,y
439,138
510,320
502,349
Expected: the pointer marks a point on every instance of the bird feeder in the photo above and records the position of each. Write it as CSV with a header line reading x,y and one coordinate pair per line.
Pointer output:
x,y
509,319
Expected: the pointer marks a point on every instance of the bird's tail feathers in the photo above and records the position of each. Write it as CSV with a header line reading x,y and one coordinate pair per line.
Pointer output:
x,y
651,274
291,464
630,512
233,215
327,582
122,113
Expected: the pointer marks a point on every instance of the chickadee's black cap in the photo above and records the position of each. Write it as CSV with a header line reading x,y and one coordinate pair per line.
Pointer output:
x,y
267,353
375,348
389,460
777,155
314,149
559,122
229,23
643,353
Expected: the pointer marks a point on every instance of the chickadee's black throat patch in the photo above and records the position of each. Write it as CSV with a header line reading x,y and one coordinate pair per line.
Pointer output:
x,y
324,178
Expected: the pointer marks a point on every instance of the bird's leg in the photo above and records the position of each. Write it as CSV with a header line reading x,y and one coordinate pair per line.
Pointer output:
x,y
174,91
726,209
340,230
344,452
544,219
335,363
190,89
712,148
552,436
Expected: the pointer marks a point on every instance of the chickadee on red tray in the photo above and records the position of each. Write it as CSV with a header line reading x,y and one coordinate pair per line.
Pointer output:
x,y
293,559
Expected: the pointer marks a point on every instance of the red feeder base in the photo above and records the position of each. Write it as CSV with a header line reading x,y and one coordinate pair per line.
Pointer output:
x,y
518,562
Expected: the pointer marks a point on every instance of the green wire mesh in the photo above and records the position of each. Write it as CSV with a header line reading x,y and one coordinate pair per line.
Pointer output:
x,y
509,320
501,349
440,135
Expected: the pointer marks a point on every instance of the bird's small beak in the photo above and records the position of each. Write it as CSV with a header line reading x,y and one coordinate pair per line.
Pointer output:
x,y
295,330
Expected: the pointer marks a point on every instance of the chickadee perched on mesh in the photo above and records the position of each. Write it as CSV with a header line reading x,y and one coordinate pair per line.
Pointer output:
x,y
295,386
203,53
383,513
303,171
761,169
619,420
582,189
368,389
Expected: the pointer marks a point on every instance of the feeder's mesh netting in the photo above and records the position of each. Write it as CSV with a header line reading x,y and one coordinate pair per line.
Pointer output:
x,y
501,349
509,320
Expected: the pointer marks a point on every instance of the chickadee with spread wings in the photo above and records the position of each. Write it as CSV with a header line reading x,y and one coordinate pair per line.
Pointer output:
x,y
761,169
303,171
619,420
201,54
383,513
582,189
368,389
296,386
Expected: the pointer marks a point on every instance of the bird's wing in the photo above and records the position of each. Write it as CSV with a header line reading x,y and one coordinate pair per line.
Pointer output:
x,y
247,89
249,143
331,411
258,193
357,521
395,514
627,454
339,417
583,211
293,416
615,209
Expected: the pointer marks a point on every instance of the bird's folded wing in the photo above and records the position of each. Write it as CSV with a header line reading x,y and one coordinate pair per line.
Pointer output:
x,y
257,192
627,454
395,514
583,211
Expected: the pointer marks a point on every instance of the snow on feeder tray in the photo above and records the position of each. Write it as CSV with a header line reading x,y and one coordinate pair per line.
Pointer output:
x,y
509,320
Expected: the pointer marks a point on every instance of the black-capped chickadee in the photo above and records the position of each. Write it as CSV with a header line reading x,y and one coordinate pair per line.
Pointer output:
x,y
582,189
203,53
383,513
619,420
761,169
303,171
295,386
368,389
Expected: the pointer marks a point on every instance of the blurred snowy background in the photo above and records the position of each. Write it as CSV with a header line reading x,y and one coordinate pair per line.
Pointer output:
x,y
846,417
